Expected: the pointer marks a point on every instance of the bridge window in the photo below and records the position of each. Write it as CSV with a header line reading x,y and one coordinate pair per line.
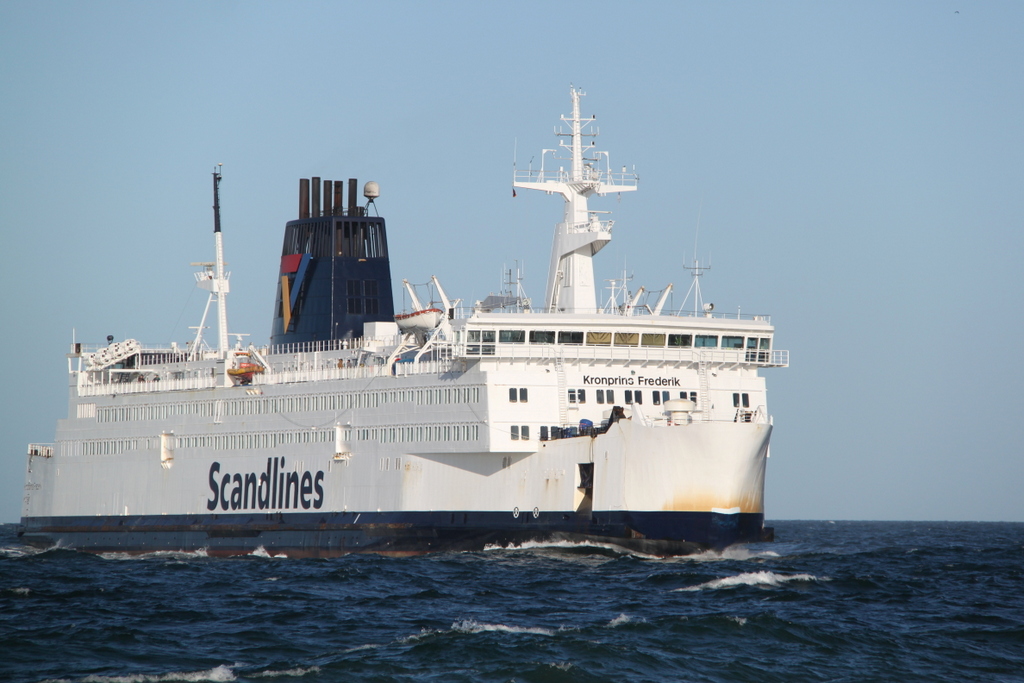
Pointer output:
x,y
732,342
599,338
542,337
626,338
511,336
753,344
486,336
653,340
707,341
570,337
680,340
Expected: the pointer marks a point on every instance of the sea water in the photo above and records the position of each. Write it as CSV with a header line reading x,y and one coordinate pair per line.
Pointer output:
x,y
828,601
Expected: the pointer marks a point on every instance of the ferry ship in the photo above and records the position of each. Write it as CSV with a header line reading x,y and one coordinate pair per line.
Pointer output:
x,y
445,427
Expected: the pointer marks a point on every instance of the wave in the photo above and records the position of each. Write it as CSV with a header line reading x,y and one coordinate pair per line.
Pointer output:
x,y
296,672
262,552
371,646
625,619
216,675
732,553
571,545
736,552
770,579
473,626
16,551
199,553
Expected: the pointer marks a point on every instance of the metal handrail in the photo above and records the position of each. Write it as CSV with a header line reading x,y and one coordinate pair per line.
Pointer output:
x,y
544,352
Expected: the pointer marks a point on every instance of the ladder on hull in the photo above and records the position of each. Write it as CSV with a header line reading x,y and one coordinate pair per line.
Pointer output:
x,y
704,397
563,411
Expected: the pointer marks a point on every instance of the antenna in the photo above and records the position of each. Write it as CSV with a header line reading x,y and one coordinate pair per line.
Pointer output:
x,y
696,270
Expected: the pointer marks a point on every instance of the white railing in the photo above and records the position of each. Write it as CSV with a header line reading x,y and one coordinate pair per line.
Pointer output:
x,y
289,376
612,178
643,354
327,345
40,450
467,311
88,387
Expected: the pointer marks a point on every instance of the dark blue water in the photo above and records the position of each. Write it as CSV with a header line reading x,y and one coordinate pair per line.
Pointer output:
x,y
844,601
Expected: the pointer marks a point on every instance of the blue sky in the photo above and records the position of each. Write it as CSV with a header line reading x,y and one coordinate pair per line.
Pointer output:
x,y
857,168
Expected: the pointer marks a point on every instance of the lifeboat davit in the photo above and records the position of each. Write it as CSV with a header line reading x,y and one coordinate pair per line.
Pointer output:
x,y
419,321
244,372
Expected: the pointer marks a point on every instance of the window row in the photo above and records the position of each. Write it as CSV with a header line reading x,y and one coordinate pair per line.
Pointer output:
x,y
631,339
419,433
238,441
265,405
255,440
518,395
607,396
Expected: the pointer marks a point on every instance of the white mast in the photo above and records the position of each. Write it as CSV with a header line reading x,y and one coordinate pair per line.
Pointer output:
x,y
580,235
216,282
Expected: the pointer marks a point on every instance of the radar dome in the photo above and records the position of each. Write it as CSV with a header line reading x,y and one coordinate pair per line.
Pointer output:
x,y
371,190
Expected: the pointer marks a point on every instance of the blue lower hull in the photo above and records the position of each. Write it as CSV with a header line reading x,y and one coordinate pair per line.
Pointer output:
x,y
393,533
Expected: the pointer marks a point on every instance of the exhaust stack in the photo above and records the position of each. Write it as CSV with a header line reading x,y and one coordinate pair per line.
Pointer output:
x,y
303,198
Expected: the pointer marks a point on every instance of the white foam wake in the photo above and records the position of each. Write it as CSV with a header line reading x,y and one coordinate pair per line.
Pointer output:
x,y
571,545
624,619
157,555
216,675
770,579
473,626
20,551
297,671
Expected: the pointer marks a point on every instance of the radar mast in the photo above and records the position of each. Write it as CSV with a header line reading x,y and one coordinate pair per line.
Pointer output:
x,y
580,235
